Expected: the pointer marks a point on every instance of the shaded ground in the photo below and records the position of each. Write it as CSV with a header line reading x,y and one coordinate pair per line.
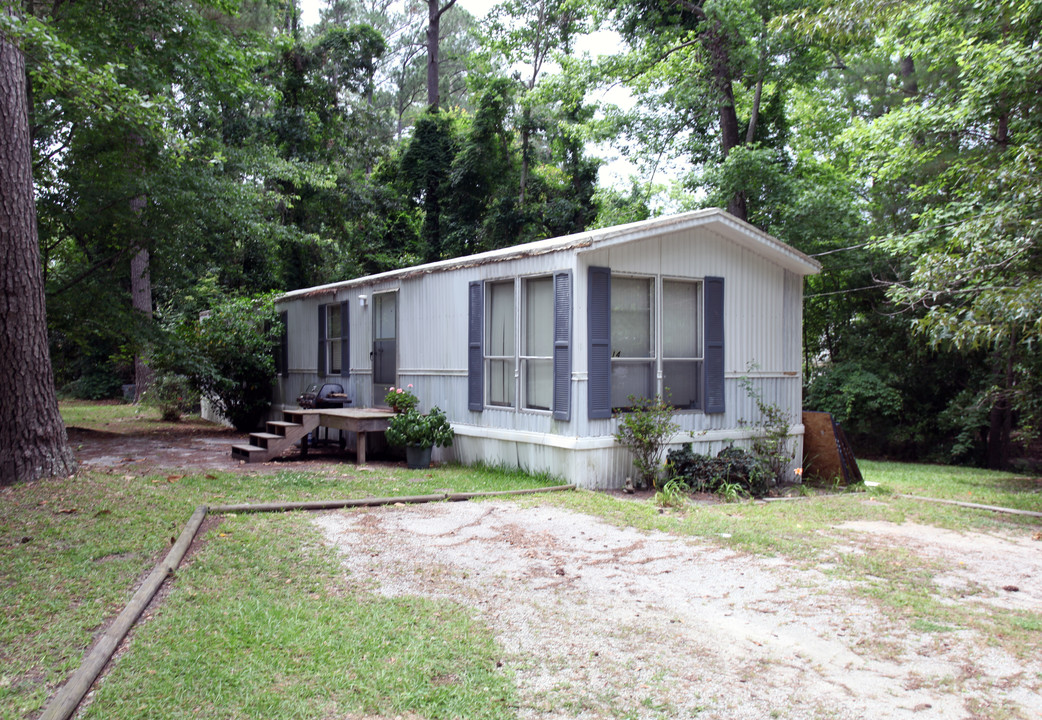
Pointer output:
x,y
189,447
598,621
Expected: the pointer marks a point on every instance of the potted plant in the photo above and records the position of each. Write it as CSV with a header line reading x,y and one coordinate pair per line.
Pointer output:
x,y
419,434
401,399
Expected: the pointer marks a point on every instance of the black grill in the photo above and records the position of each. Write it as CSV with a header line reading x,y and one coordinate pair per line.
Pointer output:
x,y
330,395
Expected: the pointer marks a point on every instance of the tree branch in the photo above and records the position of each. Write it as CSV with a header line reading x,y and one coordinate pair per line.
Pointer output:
x,y
448,5
660,58
691,7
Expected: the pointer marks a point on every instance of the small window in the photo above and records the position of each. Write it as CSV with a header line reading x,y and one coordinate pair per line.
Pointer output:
x,y
537,361
500,355
333,339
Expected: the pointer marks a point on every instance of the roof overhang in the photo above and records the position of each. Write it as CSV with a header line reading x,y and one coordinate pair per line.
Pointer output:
x,y
718,221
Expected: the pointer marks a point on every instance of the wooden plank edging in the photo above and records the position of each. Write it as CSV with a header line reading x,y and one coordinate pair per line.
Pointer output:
x,y
71,694
64,704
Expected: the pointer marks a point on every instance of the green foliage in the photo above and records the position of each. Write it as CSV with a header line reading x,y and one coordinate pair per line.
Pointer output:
x,y
732,470
857,397
227,356
98,384
401,399
412,428
771,444
673,493
173,395
643,430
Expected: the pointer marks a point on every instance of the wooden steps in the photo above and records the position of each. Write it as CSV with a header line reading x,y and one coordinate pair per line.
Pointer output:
x,y
280,435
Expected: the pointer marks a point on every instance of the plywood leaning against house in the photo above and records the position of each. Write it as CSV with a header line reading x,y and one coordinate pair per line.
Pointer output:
x,y
827,454
532,350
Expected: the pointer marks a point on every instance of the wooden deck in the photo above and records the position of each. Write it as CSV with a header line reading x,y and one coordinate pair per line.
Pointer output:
x,y
357,420
297,424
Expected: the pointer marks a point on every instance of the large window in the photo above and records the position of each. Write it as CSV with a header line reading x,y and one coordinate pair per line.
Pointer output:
x,y
682,343
656,340
519,340
632,339
537,362
500,357
526,357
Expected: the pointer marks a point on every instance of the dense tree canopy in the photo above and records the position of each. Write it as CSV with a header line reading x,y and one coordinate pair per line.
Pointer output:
x,y
237,152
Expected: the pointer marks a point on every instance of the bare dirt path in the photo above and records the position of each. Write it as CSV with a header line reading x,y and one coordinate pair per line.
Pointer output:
x,y
188,449
598,621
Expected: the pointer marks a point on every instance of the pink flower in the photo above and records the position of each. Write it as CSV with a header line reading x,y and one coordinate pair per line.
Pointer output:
x,y
410,385
400,390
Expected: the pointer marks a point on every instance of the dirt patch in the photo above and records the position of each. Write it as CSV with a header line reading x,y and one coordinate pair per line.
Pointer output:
x,y
996,570
598,621
192,450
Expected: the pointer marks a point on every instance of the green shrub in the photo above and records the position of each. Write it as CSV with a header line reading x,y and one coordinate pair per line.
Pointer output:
x,y
412,428
227,356
733,469
643,431
172,395
97,385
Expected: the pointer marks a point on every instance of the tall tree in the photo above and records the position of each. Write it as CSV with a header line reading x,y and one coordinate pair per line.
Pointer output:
x,y
32,433
435,10
710,78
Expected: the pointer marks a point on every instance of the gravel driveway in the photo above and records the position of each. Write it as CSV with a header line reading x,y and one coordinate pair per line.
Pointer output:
x,y
598,621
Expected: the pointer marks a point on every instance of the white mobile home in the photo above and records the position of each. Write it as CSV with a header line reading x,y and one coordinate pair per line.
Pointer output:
x,y
529,349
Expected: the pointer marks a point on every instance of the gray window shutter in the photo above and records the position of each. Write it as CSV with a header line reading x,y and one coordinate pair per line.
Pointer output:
x,y
283,357
345,336
714,344
321,340
475,348
598,320
563,346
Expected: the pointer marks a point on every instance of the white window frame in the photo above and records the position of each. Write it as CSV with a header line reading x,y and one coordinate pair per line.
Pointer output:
x,y
656,321
491,358
333,358
520,359
525,358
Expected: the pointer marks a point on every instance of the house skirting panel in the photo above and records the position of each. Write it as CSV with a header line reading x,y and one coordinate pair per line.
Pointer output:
x,y
594,463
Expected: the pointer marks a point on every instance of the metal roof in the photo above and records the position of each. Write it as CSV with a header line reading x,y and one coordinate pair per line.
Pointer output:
x,y
719,221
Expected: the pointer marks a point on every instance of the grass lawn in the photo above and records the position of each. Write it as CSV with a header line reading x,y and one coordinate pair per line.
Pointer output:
x,y
261,621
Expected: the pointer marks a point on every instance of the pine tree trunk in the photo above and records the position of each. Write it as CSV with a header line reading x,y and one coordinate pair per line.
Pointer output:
x,y
32,435
141,300
433,43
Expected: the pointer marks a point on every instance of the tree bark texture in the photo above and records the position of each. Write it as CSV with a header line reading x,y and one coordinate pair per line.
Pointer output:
x,y
434,13
730,136
33,442
141,299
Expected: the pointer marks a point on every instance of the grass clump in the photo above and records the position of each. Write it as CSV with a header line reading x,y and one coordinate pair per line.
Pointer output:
x,y
73,549
263,623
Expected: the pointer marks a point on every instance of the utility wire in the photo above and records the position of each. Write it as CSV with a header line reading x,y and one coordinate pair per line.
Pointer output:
x,y
841,292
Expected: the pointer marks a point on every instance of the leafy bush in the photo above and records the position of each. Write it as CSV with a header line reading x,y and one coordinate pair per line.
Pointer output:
x,y
733,468
643,431
771,445
401,399
227,356
412,428
97,385
172,394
